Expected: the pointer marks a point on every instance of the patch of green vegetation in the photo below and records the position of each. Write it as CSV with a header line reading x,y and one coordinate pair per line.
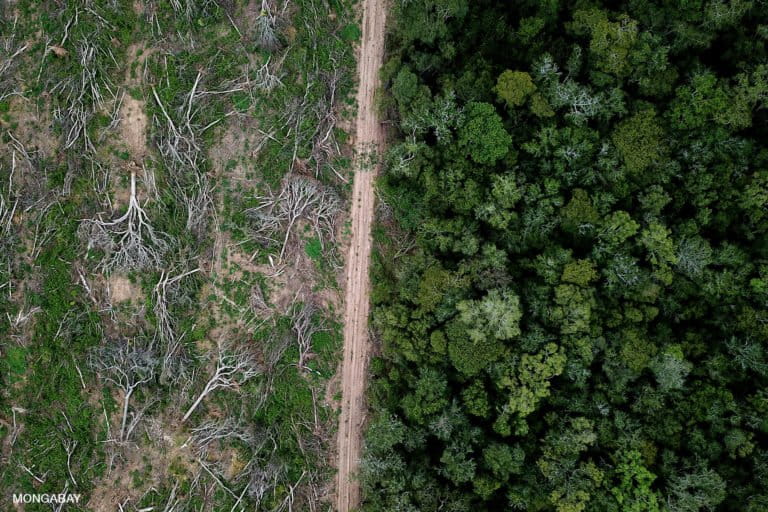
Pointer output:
x,y
15,359
351,33
314,248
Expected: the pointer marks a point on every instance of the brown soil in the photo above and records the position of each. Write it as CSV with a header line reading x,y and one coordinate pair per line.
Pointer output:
x,y
121,289
368,134
133,127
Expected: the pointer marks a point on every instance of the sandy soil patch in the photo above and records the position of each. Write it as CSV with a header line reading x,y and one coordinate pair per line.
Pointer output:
x,y
133,126
121,289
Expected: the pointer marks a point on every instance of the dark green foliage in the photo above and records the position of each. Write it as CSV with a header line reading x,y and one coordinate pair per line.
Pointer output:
x,y
581,323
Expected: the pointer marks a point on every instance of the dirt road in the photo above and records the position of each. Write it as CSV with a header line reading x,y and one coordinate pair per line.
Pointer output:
x,y
368,137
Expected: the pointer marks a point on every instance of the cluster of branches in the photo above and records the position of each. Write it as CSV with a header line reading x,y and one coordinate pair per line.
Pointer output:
x,y
268,24
129,242
128,365
175,359
213,431
310,119
178,138
304,326
23,175
11,50
298,198
267,76
272,478
8,206
317,104
265,475
234,366
90,90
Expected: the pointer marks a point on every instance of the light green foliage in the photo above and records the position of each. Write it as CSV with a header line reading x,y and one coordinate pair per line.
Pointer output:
x,y
476,337
514,87
611,41
640,141
697,490
633,491
671,368
618,228
729,103
540,106
529,382
505,190
573,310
476,399
559,462
428,396
405,87
636,349
580,272
440,116
483,135
579,215
661,250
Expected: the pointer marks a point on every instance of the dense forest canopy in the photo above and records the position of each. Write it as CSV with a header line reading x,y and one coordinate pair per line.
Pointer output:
x,y
580,322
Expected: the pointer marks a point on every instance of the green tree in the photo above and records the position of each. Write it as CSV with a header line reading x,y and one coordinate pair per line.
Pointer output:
x,y
514,87
483,135
640,141
529,381
480,327
633,491
702,489
611,41
430,396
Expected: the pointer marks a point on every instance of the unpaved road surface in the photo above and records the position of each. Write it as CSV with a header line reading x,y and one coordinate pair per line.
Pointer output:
x,y
368,138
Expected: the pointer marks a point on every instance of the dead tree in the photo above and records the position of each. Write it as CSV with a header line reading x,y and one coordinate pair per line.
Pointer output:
x,y
174,356
304,328
264,478
172,505
323,140
90,91
212,431
128,366
199,203
318,104
8,205
179,128
258,303
266,76
9,62
234,367
266,28
299,198
178,142
190,10
70,445
130,241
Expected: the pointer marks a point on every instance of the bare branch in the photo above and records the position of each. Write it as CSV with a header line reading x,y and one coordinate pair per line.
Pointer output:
x,y
128,366
130,241
175,358
266,24
304,328
212,431
234,367
299,198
